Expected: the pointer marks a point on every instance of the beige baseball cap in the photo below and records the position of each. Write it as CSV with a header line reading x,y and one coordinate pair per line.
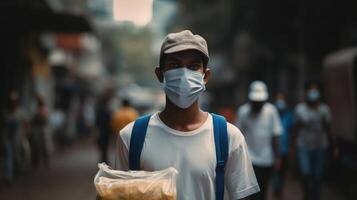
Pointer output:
x,y
184,40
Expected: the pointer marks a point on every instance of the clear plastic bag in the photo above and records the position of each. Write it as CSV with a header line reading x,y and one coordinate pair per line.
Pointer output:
x,y
135,185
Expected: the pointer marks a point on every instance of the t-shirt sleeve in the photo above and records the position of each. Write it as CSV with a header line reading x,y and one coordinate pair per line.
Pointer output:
x,y
277,128
240,179
122,148
297,115
327,114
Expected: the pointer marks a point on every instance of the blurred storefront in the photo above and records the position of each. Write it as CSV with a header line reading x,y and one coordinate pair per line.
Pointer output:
x,y
32,32
340,83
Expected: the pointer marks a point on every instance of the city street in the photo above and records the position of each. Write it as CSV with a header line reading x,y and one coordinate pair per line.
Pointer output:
x,y
73,73
71,176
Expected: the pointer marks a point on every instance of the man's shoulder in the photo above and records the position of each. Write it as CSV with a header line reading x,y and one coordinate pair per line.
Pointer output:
x,y
301,105
232,129
234,134
244,109
125,133
236,139
270,107
324,106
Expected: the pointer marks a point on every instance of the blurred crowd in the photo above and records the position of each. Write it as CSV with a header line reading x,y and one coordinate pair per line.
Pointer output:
x,y
279,135
27,141
24,138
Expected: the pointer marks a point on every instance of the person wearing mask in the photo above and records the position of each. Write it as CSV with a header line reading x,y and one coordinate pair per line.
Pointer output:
x,y
286,118
261,126
311,137
103,122
182,135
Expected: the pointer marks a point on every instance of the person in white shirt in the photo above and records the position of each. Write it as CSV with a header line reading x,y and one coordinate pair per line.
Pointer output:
x,y
260,123
181,135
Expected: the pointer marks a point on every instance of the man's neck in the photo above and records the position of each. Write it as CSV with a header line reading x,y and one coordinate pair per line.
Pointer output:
x,y
180,119
313,105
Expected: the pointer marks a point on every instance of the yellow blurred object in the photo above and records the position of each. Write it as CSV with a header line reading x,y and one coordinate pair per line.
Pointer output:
x,y
122,117
135,190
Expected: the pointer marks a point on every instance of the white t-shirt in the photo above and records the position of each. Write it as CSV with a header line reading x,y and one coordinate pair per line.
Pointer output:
x,y
259,129
193,154
312,133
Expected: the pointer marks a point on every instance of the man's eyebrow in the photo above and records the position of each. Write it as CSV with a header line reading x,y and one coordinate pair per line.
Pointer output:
x,y
173,60
197,61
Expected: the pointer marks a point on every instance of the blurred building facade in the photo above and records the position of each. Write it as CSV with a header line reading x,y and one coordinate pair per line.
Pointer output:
x,y
280,42
42,53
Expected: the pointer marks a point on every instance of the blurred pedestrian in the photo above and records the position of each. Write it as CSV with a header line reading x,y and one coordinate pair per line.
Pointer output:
x,y
14,138
85,116
123,116
185,137
89,114
286,117
80,123
39,134
312,135
103,122
261,126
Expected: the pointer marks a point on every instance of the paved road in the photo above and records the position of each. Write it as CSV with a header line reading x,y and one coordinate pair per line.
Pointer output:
x,y
71,174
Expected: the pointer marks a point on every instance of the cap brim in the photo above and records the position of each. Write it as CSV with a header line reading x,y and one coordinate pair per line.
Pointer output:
x,y
258,96
184,47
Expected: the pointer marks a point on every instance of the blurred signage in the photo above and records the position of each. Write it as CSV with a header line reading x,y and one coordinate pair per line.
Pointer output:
x,y
138,12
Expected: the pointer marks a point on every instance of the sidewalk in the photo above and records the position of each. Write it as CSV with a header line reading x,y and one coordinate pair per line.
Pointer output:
x,y
70,176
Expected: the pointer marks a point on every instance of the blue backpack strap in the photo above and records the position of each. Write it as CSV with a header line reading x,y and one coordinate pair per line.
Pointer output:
x,y
137,141
221,144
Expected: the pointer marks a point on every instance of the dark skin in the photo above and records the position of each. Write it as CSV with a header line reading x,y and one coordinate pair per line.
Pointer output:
x,y
193,117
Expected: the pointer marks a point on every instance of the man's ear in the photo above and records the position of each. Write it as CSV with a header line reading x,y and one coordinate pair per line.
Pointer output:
x,y
159,74
207,75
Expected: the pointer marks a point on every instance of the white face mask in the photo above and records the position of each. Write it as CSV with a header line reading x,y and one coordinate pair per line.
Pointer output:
x,y
183,86
313,95
280,104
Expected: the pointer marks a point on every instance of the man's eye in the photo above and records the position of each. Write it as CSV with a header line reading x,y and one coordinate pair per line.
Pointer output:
x,y
195,66
173,65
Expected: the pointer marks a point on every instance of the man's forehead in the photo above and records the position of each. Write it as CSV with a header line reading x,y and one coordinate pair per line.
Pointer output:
x,y
187,54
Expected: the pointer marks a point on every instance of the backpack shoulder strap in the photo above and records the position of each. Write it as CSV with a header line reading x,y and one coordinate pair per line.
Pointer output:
x,y
137,141
221,144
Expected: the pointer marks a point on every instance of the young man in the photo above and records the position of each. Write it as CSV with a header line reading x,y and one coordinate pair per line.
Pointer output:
x,y
181,135
260,123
